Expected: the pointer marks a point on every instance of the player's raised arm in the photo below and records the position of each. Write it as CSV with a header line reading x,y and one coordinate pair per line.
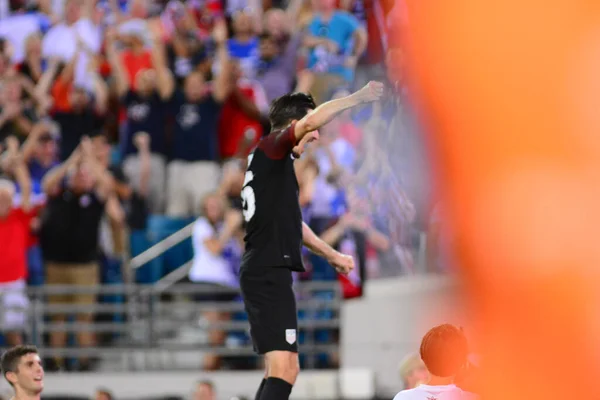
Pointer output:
x,y
294,115
323,114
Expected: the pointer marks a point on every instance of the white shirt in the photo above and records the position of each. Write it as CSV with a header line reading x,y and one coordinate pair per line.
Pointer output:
x,y
427,392
324,191
61,42
206,266
16,29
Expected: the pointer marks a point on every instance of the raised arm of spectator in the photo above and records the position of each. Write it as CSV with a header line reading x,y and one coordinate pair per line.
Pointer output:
x,y
104,180
32,139
360,44
21,174
222,84
246,104
233,220
45,6
142,142
256,7
100,89
165,82
114,210
41,100
332,235
326,112
293,11
87,11
346,5
23,124
116,11
44,85
12,163
349,221
118,70
52,181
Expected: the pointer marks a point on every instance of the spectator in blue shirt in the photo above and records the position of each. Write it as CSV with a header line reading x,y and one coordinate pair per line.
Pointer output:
x,y
244,45
335,41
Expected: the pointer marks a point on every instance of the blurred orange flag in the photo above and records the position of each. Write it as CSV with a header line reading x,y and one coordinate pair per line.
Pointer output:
x,y
509,92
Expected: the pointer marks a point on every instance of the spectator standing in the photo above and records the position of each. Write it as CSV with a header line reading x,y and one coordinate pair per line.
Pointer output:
x,y
77,112
16,117
78,36
217,255
112,225
33,64
232,182
240,125
17,27
351,234
14,236
136,56
77,191
194,170
186,52
146,108
279,46
243,46
40,153
276,69
335,41
136,208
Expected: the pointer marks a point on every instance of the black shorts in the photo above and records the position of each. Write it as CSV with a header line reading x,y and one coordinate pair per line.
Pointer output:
x,y
271,306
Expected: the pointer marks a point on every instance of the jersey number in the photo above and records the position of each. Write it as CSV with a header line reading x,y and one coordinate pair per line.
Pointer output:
x,y
248,198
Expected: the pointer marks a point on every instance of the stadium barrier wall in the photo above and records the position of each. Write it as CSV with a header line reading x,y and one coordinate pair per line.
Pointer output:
x,y
381,328
311,385
377,331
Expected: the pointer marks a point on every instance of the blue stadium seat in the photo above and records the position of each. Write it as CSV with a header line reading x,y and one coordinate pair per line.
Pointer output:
x,y
321,270
35,266
240,336
159,227
151,271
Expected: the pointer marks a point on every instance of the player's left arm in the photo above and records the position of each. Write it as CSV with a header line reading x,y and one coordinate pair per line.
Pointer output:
x,y
341,262
315,244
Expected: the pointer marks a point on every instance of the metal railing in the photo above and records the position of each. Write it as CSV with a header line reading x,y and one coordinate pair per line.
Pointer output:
x,y
149,320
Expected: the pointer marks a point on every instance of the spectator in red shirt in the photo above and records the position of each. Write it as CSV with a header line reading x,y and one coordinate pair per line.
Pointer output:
x,y
14,236
240,125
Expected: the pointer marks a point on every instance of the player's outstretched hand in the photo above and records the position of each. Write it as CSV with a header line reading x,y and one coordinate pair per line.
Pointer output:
x,y
342,263
371,92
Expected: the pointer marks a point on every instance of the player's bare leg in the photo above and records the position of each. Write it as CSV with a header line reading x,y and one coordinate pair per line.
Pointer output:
x,y
264,381
282,368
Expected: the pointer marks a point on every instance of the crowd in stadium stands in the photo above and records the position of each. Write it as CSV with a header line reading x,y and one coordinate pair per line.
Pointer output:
x,y
122,121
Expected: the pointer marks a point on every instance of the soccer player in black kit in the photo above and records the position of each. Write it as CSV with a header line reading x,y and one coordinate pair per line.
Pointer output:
x,y
275,232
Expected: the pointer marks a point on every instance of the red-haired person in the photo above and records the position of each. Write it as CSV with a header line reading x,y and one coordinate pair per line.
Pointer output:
x,y
444,351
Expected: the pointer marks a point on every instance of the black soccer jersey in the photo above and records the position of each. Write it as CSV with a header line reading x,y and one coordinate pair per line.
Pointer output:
x,y
271,209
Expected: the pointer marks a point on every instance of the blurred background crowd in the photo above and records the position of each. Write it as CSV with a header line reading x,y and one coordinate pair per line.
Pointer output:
x,y
123,121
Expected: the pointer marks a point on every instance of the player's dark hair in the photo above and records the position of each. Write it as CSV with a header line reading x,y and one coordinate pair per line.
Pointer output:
x,y
11,358
444,350
289,107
